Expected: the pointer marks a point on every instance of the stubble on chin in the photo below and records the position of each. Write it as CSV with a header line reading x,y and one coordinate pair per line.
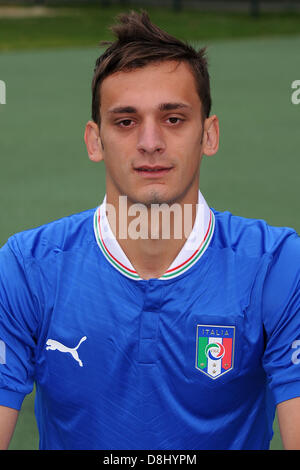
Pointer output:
x,y
153,197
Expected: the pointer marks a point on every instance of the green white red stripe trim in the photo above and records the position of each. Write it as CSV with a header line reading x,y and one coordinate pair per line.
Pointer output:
x,y
108,255
122,264
179,269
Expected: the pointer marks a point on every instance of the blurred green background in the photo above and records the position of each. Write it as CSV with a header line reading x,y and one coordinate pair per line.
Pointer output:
x,y
46,62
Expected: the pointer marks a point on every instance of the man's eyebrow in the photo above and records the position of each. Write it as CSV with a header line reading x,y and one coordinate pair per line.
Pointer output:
x,y
162,107
123,110
173,106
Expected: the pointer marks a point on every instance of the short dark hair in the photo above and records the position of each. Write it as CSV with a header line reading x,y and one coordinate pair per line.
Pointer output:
x,y
139,43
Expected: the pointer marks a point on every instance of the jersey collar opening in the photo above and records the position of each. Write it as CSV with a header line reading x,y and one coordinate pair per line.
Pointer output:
x,y
193,249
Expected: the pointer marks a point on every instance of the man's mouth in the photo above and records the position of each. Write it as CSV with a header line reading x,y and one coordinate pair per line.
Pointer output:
x,y
153,171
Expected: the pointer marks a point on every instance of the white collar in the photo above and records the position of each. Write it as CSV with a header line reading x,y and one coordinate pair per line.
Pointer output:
x,y
193,249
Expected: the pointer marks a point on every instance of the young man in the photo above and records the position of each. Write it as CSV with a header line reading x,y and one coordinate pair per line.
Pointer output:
x,y
135,337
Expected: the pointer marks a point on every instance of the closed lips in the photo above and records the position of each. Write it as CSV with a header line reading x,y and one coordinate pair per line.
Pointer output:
x,y
152,169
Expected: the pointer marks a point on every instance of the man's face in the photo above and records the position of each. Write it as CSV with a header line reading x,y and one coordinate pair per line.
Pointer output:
x,y
151,133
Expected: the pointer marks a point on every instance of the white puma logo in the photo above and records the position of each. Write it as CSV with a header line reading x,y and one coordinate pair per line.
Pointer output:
x,y
53,345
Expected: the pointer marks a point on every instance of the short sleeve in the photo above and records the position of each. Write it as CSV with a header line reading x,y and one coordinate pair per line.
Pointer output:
x,y
281,317
18,324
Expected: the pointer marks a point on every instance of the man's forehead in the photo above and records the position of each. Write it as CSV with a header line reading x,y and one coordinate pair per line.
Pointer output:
x,y
165,84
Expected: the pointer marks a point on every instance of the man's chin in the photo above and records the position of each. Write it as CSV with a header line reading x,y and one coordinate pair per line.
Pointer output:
x,y
152,197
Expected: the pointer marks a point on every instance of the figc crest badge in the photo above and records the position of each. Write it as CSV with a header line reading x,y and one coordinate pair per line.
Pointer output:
x,y
215,349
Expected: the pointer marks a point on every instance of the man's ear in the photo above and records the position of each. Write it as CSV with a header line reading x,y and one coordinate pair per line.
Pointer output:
x,y
211,136
93,142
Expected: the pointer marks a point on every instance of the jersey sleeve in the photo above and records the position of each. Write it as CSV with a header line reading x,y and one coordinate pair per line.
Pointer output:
x,y
281,317
18,324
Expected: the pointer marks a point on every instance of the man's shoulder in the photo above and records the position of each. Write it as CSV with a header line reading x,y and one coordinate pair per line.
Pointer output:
x,y
64,234
254,237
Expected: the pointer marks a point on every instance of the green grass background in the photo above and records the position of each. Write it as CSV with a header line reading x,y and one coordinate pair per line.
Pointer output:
x,y
45,172
77,26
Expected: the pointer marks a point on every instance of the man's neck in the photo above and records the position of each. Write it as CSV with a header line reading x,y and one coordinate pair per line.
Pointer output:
x,y
151,257
154,237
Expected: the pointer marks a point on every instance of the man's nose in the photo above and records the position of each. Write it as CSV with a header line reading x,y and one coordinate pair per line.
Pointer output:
x,y
150,138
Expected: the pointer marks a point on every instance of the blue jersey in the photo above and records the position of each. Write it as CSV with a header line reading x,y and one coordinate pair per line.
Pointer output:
x,y
196,359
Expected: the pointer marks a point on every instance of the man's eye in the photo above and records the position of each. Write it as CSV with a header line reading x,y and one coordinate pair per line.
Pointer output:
x,y
125,123
174,120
